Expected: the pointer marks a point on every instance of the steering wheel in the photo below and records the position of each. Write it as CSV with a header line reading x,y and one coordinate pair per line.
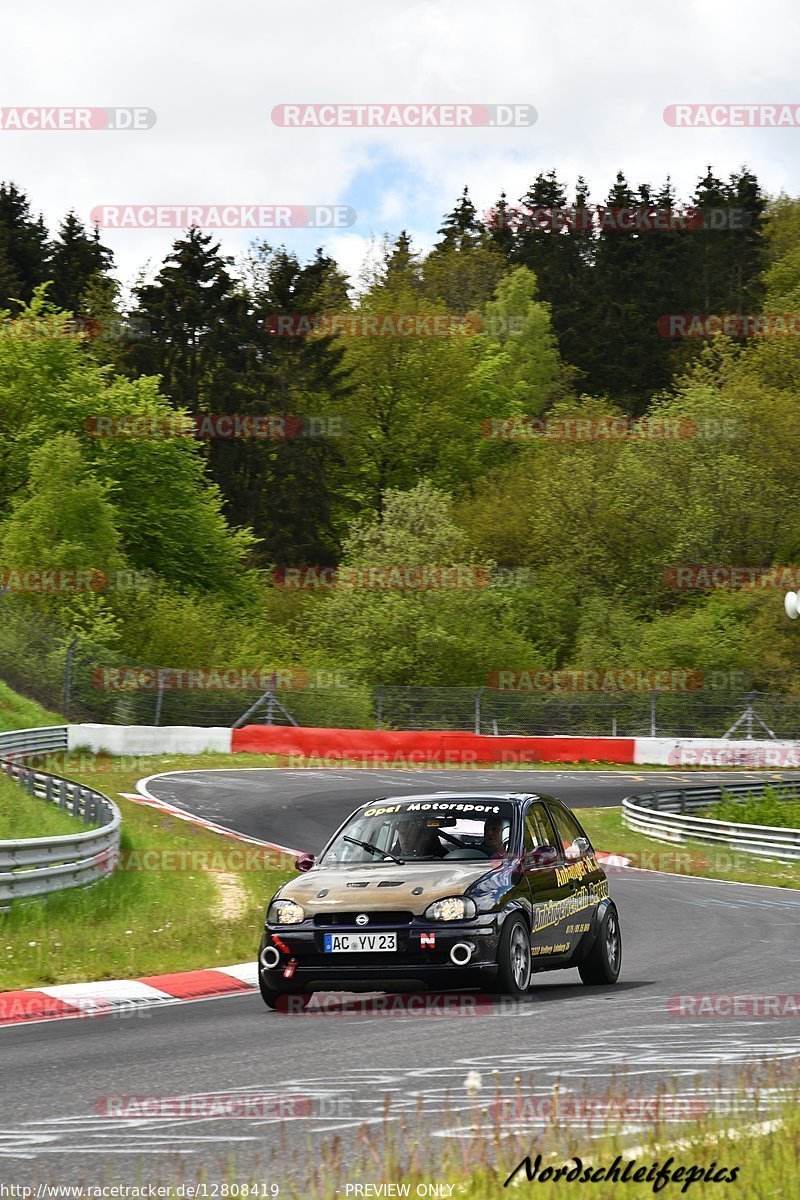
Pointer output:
x,y
449,837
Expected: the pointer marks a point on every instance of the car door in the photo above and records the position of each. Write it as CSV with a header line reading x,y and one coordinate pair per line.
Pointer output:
x,y
579,873
548,890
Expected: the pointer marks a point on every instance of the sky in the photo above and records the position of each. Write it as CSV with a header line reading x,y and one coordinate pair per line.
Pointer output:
x,y
599,76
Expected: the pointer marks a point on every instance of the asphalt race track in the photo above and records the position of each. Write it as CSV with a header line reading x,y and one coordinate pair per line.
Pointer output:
x,y
330,1072
302,808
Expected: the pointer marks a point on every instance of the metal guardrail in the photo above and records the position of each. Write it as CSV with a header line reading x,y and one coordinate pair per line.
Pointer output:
x,y
37,866
666,816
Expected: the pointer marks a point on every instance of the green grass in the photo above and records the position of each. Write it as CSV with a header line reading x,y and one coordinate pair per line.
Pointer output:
x,y
17,712
149,918
769,808
26,816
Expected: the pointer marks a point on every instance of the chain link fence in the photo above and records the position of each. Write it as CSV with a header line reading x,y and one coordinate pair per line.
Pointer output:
x,y
70,676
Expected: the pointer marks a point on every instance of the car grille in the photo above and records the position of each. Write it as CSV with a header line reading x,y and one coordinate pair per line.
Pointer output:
x,y
381,917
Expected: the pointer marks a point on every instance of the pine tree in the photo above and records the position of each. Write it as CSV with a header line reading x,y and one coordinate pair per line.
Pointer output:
x,y
561,260
24,248
191,311
623,326
461,227
287,489
500,226
77,261
400,262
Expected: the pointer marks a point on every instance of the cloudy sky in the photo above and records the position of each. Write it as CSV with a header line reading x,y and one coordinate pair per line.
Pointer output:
x,y
599,75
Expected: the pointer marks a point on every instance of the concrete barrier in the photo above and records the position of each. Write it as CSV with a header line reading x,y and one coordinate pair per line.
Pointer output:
x,y
418,746
412,747
717,752
149,739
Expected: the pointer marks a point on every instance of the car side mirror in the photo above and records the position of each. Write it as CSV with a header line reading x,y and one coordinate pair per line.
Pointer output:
x,y
582,845
304,862
542,856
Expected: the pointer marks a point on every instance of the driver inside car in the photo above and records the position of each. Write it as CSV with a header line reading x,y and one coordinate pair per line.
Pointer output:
x,y
416,840
494,832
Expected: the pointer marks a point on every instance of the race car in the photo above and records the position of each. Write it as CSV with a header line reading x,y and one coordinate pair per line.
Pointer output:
x,y
443,890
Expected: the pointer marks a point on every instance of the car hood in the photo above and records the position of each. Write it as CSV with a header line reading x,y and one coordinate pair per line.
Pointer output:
x,y
385,886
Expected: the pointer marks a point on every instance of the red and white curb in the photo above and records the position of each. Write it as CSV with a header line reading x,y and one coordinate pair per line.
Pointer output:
x,y
110,996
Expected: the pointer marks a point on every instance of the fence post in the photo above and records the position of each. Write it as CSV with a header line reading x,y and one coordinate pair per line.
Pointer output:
x,y
159,696
653,696
270,699
68,677
478,695
379,704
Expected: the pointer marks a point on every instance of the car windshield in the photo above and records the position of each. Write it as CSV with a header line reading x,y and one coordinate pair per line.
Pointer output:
x,y
423,831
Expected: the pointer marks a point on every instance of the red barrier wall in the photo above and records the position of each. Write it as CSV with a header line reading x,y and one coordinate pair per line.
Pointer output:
x,y
418,747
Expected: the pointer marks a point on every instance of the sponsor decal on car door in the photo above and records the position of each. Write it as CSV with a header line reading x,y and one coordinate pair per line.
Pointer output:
x,y
578,874
548,892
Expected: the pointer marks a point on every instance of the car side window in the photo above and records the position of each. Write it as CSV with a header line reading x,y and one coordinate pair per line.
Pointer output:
x,y
569,832
537,829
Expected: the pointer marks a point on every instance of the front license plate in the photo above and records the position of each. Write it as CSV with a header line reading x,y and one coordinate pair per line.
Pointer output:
x,y
350,942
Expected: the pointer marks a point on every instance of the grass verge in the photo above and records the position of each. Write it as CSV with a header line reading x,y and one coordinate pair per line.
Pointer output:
x,y
26,816
17,712
182,897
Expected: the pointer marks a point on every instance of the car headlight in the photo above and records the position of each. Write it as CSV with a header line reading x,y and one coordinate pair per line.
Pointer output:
x,y
452,908
285,912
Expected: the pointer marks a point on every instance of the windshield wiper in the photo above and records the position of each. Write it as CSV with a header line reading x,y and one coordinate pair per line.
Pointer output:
x,y
373,849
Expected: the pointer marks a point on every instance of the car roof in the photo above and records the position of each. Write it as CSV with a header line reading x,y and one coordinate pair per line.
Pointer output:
x,y
514,797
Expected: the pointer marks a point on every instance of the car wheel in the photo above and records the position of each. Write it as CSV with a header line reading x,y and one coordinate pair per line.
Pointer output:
x,y
514,958
285,1001
603,962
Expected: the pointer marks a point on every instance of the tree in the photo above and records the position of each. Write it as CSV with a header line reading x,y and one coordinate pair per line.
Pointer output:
x,y
729,261
24,248
192,311
415,407
417,637
65,523
560,258
461,227
169,516
520,366
212,342
290,490
77,262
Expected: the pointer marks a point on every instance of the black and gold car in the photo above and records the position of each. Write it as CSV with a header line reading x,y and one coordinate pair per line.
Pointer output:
x,y
441,891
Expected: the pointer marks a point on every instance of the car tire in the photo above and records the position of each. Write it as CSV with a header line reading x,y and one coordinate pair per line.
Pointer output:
x,y
602,963
514,958
280,1000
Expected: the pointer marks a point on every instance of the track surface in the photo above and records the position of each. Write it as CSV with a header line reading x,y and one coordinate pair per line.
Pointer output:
x,y
681,935
303,808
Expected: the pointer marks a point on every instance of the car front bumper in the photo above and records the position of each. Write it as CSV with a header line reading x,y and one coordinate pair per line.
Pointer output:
x,y
422,959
